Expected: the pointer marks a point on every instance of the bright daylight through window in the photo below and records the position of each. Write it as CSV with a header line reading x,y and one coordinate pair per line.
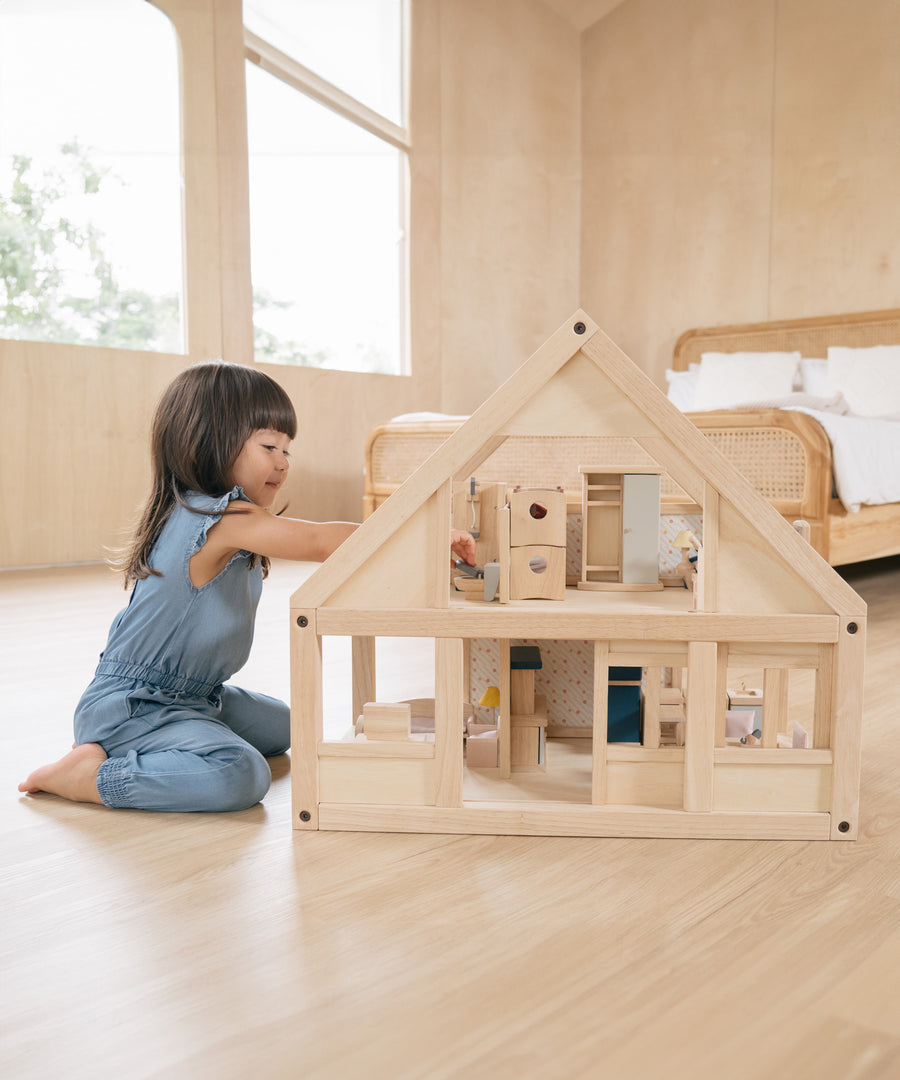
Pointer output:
x,y
90,177
328,180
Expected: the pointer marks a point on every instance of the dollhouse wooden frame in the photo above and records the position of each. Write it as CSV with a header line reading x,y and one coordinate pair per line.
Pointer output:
x,y
762,596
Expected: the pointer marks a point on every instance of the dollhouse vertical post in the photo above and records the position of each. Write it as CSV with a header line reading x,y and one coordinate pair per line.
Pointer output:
x,y
846,728
775,705
699,739
504,759
824,697
601,722
449,687
306,719
651,707
721,691
362,653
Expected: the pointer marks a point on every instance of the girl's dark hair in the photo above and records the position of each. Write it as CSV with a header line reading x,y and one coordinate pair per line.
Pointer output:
x,y
200,426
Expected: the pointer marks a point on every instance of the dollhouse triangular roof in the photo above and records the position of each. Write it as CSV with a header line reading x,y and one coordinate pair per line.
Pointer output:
x,y
579,383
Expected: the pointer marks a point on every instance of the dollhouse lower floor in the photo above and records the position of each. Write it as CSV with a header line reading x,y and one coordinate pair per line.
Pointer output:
x,y
740,726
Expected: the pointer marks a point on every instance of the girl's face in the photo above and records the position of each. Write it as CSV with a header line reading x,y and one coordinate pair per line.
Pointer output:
x,y
262,465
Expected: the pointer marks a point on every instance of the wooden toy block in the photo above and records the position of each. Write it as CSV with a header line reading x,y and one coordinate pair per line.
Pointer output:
x,y
482,750
521,691
527,748
765,600
474,728
387,721
537,517
537,573
524,660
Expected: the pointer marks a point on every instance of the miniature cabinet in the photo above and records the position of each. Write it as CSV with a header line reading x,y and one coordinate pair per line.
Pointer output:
x,y
620,529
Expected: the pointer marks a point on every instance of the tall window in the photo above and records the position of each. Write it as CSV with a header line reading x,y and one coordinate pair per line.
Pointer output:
x,y
328,181
90,177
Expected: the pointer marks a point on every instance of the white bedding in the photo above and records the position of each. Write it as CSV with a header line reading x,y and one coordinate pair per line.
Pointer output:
x,y
866,456
865,451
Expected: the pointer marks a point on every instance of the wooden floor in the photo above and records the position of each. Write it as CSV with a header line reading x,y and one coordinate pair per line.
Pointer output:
x,y
227,946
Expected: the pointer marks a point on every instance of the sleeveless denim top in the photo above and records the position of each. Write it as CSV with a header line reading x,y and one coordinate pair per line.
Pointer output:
x,y
177,637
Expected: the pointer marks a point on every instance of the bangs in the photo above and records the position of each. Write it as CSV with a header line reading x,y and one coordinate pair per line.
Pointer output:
x,y
268,406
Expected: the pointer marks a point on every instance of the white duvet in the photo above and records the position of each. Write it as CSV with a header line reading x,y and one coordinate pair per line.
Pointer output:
x,y
865,451
866,457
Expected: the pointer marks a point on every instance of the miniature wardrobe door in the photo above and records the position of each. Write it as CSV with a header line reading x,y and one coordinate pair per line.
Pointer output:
x,y
640,528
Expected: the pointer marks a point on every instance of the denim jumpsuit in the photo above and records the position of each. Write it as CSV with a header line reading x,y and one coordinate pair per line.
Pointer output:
x,y
175,736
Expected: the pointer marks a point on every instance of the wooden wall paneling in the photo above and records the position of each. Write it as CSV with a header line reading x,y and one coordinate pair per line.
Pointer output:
x,y
510,139
836,195
676,170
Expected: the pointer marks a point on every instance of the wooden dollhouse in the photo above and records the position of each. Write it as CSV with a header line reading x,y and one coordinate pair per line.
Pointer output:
x,y
757,595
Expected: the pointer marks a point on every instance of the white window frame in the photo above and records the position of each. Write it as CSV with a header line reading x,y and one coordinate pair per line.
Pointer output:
x,y
279,64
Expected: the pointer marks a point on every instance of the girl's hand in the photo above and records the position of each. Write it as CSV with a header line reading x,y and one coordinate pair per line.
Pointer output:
x,y
462,545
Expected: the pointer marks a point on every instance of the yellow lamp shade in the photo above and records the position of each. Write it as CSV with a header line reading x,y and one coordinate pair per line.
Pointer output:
x,y
491,697
686,539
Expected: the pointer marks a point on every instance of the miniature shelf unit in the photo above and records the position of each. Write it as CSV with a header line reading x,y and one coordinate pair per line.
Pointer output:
x,y
763,600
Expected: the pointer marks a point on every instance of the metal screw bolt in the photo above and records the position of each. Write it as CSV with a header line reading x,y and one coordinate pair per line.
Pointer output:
x,y
844,826
852,628
305,815
579,328
302,620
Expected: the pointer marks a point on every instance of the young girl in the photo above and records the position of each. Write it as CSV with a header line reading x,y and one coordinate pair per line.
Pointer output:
x,y
158,728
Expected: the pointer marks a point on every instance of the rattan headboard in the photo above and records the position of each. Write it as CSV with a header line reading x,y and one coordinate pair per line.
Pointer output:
x,y
810,337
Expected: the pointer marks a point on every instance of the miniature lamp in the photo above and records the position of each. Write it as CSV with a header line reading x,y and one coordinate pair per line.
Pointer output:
x,y
491,699
685,540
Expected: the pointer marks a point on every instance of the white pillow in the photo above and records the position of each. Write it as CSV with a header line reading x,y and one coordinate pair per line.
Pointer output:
x,y
868,378
814,376
729,379
683,387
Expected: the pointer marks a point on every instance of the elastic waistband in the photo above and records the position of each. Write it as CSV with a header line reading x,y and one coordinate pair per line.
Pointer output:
x,y
163,680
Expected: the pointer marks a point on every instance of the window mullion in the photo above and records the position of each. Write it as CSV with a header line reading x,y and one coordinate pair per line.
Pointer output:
x,y
289,71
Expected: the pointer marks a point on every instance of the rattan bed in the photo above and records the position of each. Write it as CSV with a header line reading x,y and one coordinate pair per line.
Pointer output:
x,y
785,454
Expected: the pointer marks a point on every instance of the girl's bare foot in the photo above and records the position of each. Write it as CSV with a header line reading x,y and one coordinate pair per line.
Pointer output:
x,y
72,777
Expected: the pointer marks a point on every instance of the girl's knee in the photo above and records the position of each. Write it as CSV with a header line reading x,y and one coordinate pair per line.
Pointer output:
x,y
243,780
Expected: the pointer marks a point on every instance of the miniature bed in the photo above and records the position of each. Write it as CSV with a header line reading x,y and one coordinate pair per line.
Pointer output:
x,y
678,744
786,454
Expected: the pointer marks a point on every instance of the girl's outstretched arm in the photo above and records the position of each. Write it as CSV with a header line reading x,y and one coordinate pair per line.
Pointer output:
x,y
251,528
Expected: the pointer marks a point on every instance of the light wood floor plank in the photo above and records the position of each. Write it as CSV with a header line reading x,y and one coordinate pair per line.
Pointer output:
x,y
228,946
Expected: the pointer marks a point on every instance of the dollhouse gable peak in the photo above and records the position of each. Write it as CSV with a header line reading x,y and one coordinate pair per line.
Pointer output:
x,y
578,383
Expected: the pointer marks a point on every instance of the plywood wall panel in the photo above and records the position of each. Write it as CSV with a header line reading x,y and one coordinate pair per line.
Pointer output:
x,y
510,205
73,447
677,106
836,137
